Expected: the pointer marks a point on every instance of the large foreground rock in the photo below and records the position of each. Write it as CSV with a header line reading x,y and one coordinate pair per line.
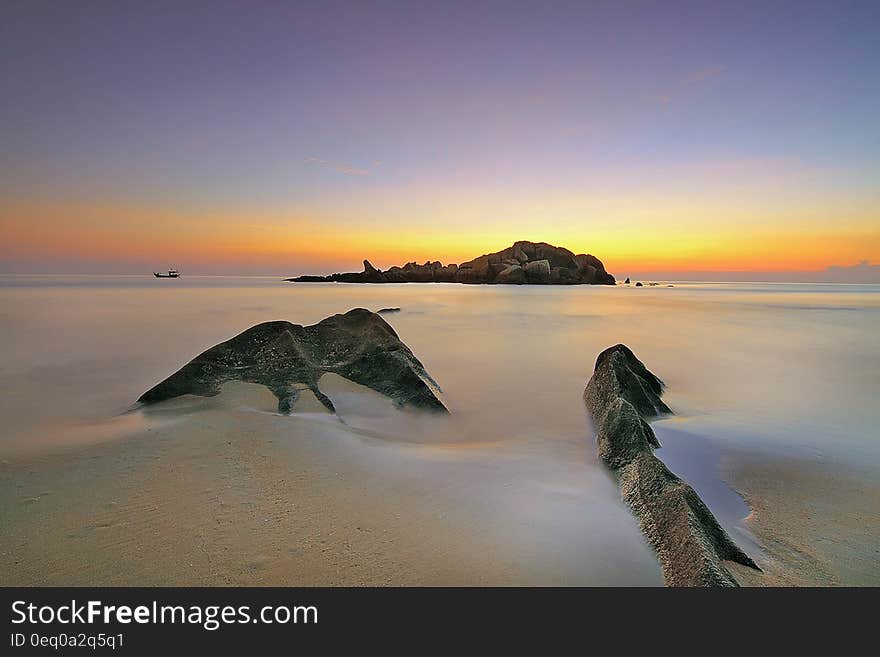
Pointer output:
x,y
525,262
288,358
621,396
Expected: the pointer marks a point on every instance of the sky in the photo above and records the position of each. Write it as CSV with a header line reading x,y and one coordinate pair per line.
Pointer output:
x,y
294,137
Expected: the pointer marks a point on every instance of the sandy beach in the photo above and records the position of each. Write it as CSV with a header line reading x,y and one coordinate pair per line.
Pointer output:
x,y
504,490
223,491
817,521
346,294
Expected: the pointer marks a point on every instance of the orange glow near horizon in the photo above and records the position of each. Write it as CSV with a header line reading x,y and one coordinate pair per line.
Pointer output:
x,y
279,242
697,140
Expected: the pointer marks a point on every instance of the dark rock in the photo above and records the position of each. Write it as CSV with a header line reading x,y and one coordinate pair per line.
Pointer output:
x,y
310,279
286,358
626,282
371,274
538,271
618,373
539,263
622,395
592,271
475,271
639,284
563,276
384,311
513,274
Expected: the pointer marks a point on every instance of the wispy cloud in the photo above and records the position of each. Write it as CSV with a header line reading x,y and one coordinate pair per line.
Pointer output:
x,y
338,167
863,272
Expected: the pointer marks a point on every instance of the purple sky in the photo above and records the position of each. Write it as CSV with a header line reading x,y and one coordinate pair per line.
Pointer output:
x,y
445,121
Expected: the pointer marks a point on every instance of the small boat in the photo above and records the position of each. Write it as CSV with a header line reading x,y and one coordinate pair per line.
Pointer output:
x,y
172,273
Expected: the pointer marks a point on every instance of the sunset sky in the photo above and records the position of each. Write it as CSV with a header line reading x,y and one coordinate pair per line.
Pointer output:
x,y
285,138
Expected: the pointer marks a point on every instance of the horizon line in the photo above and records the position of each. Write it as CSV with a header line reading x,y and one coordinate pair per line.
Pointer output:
x,y
719,276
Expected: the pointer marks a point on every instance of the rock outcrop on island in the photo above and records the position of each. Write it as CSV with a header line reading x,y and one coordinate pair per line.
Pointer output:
x,y
288,358
535,263
621,396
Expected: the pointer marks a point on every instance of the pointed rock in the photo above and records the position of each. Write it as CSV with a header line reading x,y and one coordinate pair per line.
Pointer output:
x,y
622,395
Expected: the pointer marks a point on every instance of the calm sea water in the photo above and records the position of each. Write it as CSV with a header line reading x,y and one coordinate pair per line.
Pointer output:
x,y
792,369
792,365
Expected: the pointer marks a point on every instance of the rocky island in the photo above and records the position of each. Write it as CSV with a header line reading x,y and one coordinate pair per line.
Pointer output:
x,y
535,263
621,396
289,358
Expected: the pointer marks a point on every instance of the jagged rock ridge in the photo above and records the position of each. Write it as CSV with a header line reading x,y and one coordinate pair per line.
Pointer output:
x,y
621,396
288,358
536,263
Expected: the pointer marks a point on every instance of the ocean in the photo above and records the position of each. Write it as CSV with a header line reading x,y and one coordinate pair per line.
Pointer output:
x,y
791,369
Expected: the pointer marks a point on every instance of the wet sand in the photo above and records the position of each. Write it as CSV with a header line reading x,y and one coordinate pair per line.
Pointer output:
x,y
222,491
818,521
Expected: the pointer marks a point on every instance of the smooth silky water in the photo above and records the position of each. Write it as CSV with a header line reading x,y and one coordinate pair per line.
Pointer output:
x,y
788,368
